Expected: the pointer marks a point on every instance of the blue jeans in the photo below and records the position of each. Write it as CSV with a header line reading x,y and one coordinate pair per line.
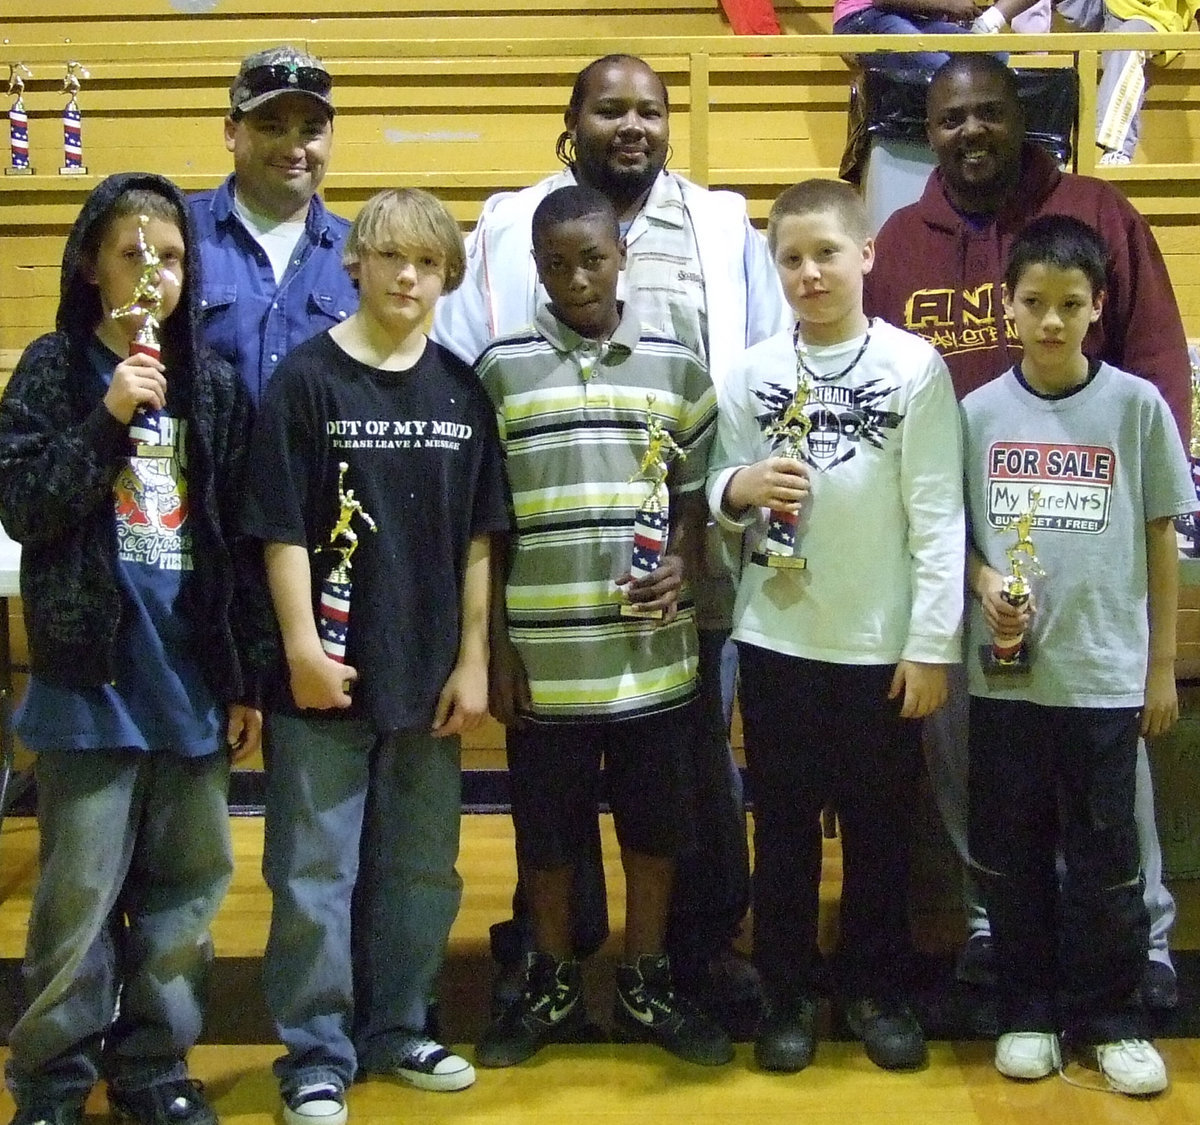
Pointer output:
x,y
361,841
873,21
135,857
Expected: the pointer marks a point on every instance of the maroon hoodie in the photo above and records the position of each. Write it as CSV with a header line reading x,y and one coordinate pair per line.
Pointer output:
x,y
939,275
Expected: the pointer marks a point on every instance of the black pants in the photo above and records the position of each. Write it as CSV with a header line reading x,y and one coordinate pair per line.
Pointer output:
x,y
1040,778
711,892
815,733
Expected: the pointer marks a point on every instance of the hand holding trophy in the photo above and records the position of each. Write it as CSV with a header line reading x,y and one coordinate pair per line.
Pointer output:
x,y
652,522
145,432
333,618
1008,653
789,429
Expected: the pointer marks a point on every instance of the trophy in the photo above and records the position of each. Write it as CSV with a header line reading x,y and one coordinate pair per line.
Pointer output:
x,y
789,428
72,120
1189,525
333,617
18,122
652,522
145,432
1010,654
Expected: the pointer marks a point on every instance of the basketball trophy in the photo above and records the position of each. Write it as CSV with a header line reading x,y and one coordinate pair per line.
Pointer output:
x,y
1189,526
333,616
790,429
145,429
652,523
1008,655
18,122
72,121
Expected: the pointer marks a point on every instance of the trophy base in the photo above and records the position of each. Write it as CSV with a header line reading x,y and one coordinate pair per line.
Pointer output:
x,y
638,611
11,171
74,170
779,562
1019,665
143,450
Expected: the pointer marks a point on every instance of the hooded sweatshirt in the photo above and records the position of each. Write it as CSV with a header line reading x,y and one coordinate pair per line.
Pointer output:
x,y
939,274
60,454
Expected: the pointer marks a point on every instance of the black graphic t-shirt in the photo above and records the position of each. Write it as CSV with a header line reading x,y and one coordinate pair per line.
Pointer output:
x,y
424,463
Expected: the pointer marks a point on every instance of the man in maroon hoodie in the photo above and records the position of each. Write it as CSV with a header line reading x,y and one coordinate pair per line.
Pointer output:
x,y
938,269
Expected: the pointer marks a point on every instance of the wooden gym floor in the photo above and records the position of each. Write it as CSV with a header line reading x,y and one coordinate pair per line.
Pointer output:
x,y
607,1084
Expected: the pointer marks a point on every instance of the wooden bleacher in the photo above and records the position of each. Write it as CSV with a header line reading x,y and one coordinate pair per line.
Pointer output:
x,y
466,100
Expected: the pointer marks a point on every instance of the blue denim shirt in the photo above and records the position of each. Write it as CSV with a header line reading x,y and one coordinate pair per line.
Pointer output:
x,y
247,318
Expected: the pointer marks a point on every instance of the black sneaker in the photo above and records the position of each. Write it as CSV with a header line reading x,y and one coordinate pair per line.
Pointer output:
x,y
889,1031
63,1114
548,1009
178,1102
787,1038
647,1009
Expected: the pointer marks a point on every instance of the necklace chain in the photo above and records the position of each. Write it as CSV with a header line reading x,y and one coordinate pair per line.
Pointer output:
x,y
802,362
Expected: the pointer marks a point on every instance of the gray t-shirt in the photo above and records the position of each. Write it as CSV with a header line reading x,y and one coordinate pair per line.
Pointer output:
x,y
1107,459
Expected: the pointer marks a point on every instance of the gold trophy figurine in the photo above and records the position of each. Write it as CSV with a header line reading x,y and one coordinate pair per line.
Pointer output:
x,y
652,524
790,430
1009,654
333,617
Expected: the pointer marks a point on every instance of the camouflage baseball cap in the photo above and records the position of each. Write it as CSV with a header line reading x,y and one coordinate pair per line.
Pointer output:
x,y
270,74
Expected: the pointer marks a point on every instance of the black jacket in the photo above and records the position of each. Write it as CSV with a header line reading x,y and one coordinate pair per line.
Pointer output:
x,y
60,452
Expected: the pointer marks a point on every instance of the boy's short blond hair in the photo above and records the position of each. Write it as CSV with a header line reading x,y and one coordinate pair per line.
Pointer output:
x,y
413,220
811,196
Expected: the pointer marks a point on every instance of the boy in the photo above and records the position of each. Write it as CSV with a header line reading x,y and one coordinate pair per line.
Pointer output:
x,y
1094,454
838,656
585,397
149,630
375,429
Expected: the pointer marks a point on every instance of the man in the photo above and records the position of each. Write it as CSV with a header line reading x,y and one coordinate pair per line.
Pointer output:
x,y
271,253
938,269
698,271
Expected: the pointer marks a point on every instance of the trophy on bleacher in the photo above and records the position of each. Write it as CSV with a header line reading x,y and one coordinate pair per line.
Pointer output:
x,y
1189,526
72,121
1006,655
333,616
790,428
652,523
18,122
145,429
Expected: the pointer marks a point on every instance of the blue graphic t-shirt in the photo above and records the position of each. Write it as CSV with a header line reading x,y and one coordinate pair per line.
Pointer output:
x,y
159,700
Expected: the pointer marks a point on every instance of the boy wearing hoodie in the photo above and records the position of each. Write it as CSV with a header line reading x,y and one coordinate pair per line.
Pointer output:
x,y
149,628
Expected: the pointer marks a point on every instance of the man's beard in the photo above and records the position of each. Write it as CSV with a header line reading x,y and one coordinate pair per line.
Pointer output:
x,y
620,187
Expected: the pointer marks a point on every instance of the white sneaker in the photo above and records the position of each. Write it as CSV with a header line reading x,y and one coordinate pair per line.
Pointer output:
x,y
321,1103
430,1066
1113,159
1028,1054
1132,1066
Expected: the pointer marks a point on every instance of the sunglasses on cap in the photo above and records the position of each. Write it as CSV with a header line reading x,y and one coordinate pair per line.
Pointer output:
x,y
286,76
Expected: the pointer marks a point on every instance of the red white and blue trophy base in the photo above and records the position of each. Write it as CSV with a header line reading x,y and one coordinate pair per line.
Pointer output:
x,y
145,427
72,120
333,616
649,542
18,131
780,546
